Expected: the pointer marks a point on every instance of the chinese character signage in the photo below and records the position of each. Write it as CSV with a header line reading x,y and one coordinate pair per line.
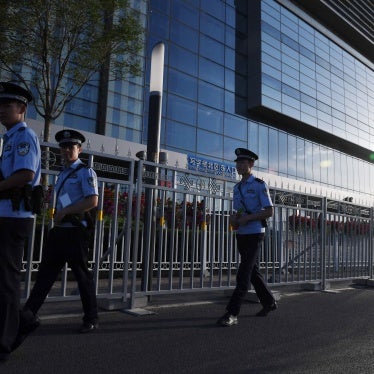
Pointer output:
x,y
203,165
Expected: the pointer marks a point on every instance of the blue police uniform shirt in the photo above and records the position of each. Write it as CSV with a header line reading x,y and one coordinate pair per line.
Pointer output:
x,y
255,198
21,150
78,185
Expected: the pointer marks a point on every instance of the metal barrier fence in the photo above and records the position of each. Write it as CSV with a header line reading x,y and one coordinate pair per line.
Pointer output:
x,y
161,229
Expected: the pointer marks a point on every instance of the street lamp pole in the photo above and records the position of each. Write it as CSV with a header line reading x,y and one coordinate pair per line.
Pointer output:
x,y
155,102
153,150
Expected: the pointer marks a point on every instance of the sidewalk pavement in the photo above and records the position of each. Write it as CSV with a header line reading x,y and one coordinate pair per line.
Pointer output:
x,y
311,332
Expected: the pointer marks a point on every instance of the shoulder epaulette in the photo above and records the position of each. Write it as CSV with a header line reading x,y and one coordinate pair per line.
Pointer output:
x,y
259,180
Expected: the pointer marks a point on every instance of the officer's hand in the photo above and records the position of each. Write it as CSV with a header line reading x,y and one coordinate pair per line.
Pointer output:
x,y
243,219
233,220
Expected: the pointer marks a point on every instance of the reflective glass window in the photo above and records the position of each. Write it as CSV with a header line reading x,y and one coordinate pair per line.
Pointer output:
x,y
345,170
230,36
80,123
210,119
306,53
269,102
209,143
290,110
290,52
253,137
82,108
211,95
292,155
211,72
272,82
230,59
184,60
300,158
231,84
291,71
270,20
308,160
181,110
180,136
271,7
272,50
132,120
316,162
325,163
263,151
184,36
271,93
271,61
291,91
185,13
290,42
269,71
230,17
159,24
214,7
309,62
308,72
182,84
274,155
235,127
161,5
271,30
290,30
351,180
212,27
130,135
212,49
330,168
308,90
283,151
337,169
290,101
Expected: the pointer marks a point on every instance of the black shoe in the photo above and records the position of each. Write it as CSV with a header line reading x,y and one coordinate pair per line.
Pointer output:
x,y
267,309
228,320
88,327
28,323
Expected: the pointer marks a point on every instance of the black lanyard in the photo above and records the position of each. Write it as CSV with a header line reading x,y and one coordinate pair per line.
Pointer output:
x,y
63,182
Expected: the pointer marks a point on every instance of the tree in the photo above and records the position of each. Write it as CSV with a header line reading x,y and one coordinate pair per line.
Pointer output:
x,y
56,46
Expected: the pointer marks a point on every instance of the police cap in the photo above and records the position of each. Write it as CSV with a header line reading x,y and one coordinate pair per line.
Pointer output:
x,y
69,136
245,154
10,91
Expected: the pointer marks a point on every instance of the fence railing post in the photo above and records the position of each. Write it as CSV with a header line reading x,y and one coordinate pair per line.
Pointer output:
x,y
323,243
371,247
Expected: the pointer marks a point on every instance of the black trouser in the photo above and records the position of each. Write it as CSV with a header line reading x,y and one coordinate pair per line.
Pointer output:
x,y
65,244
249,247
13,234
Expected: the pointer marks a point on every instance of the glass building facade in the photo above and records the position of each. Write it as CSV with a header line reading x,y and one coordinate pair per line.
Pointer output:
x,y
229,63
253,74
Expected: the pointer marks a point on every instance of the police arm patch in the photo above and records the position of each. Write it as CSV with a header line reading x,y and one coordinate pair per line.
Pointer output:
x,y
23,148
91,181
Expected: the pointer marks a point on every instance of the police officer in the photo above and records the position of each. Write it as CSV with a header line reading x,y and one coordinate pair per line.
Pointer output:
x,y
19,166
75,192
253,206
